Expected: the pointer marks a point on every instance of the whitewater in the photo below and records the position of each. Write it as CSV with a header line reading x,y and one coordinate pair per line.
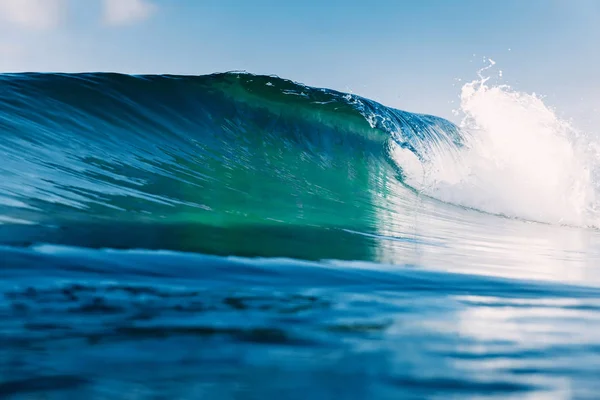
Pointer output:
x,y
245,236
519,159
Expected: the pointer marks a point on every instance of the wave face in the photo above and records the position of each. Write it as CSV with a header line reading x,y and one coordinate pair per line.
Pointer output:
x,y
220,151
208,149
241,236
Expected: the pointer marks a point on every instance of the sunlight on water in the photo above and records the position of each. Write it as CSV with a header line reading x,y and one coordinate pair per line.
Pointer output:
x,y
421,231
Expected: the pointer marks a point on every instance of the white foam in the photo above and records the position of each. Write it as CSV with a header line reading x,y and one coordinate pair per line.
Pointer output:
x,y
520,160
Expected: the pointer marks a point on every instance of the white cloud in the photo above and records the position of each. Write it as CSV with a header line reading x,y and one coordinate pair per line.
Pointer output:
x,y
123,12
33,14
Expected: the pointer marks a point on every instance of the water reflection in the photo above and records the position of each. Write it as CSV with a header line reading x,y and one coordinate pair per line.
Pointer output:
x,y
421,231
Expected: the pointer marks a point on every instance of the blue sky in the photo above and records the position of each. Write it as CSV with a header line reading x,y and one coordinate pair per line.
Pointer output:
x,y
406,54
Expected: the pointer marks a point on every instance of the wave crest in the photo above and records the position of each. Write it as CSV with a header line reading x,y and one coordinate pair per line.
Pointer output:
x,y
519,159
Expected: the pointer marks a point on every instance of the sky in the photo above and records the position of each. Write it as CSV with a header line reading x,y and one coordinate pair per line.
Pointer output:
x,y
406,54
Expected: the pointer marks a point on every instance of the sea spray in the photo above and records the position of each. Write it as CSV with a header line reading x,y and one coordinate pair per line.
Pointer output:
x,y
519,159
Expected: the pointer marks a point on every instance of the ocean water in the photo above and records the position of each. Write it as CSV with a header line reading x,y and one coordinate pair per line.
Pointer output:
x,y
234,236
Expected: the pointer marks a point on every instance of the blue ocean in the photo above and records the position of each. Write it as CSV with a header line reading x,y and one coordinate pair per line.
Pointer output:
x,y
241,236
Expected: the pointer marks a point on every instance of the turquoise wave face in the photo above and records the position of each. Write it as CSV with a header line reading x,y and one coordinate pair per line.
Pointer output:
x,y
200,163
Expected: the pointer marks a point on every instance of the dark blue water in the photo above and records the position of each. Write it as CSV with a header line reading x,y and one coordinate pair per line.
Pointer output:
x,y
243,237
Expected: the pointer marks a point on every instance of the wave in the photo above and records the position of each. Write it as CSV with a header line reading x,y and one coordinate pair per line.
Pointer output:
x,y
81,146
232,150
239,225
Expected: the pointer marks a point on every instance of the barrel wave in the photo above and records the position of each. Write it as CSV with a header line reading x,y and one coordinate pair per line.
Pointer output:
x,y
245,236
230,150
